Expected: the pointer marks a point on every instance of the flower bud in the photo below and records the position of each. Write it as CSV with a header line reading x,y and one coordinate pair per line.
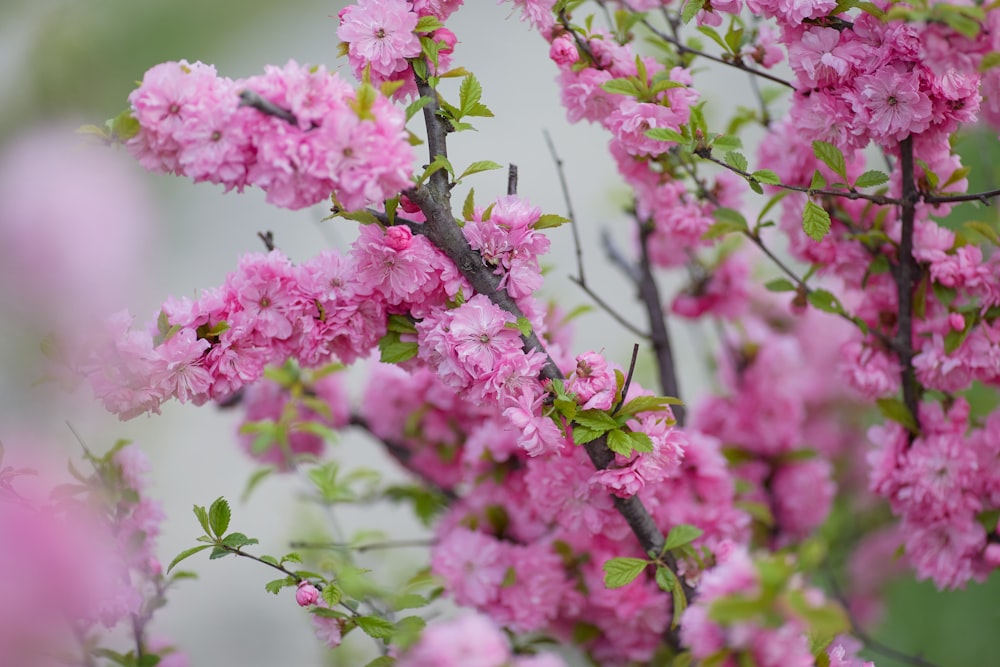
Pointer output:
x,y
306,594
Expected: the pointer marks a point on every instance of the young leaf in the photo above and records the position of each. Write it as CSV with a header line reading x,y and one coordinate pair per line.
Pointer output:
x,y
218,517
596,420
766,176
895,410
619,442
549,220
825,301
185,554
620,572
691,9
815,221
779,285
870,179
665,134
831,157
375,626
736,160
202,515
665,579
680,535
476,167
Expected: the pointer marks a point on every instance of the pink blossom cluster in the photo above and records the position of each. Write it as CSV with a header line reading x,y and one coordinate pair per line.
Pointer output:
x,y
77,559
381,39
943,484
782,429
470,640
756,637
299,133
329,308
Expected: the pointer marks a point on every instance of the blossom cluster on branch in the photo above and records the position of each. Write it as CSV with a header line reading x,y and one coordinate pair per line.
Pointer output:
x,y
568,501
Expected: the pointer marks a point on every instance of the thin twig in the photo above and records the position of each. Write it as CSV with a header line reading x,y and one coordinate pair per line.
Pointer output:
x,y
512,179
870,642
569,206
249,98
628,378
268,239
606,307
683,49
982,197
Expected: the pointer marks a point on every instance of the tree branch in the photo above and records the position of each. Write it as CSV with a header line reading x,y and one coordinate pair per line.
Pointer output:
x,y
906,274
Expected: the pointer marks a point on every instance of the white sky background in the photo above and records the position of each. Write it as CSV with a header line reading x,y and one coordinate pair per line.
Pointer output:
x,y
226,618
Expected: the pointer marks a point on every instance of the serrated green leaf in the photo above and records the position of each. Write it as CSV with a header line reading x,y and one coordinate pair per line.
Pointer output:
x,y
620,572
691,9
818,181
831,156
766,176
647,404
479,166
237,540
394,351
871,178
219,515
428,24
640,442
815,221
415,106
375,626
895,410
219,552
332,595
731,217
736,160
680,535
619,442
186,554
582,436
274,586
596,420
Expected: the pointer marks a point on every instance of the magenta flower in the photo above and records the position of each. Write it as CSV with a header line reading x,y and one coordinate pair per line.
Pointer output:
x,y
379,33
306,594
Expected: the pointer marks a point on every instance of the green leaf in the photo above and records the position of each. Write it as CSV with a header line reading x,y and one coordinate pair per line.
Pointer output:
x,y
758,511
440,162
619,442
407,631
523,326
712,34
124,126
691,9
584,632
256,478
332,595
582,435
218,516
984,229
665,579
895,410
731,216
621,87
815,221
818,182
665,134
416,105
680,535
549,220
274,586
375,626
428,24
726,142
735,608
766,176
469,94
237,540
647,404
779,285
871,178
825,301
219,552
736,160
620,572
640,442
185,554
394,351
596,420
478,166
831,156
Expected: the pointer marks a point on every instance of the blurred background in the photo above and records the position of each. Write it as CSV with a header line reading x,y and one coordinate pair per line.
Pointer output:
x,y
85,231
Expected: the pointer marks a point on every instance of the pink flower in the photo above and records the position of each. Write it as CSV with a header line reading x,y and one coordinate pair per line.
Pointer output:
x,y
593,382
471,640
306,594
891,105
563,51
379,33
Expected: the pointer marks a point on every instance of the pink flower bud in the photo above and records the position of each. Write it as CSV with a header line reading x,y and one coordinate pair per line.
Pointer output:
x,y
956,321
447,37
398,237
563,51
306,594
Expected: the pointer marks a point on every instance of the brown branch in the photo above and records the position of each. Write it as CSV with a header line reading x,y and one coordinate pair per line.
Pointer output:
x,y
982,197
906,274
512,179
649,294
569,206
443,231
